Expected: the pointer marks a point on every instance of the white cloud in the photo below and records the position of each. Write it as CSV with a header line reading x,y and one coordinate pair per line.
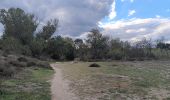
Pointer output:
x,y
135,29
158,16
131,12
131,0
83,35
168,10
127,0
167,41
112,14
1,29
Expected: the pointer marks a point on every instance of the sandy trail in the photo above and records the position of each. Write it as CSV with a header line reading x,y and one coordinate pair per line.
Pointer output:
x,y
60,87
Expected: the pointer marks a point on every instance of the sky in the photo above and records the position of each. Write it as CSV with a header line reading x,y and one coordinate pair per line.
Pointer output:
x,y
129,20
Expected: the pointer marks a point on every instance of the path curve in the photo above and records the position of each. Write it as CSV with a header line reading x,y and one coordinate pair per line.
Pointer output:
x,y
60,87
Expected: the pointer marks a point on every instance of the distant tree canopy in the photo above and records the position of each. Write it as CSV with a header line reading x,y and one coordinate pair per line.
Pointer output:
x,y
48,30
163,45
98,44
18,24
21,26
22,37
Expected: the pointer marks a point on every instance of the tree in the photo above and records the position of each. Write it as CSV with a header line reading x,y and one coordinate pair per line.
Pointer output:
x,y
18,24
60,48
69,48
81,49
143,49
78,43
98,44
115,49
48,30
162,45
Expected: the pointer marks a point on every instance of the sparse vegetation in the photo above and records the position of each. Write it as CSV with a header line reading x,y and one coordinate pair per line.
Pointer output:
x,y
13,64
142,80
29,84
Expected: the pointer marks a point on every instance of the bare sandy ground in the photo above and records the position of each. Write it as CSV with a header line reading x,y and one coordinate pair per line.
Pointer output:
x,y
60,87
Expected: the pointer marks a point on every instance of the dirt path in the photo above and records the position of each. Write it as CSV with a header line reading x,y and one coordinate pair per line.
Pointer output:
x,y
60,87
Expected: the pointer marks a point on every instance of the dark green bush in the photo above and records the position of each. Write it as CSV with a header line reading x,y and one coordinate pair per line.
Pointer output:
x,y
30,64
11,45
17,63
6,69
9,72
37,46
94,65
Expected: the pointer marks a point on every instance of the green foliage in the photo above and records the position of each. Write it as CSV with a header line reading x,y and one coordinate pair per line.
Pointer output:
x,y
81,50
98,44
37,46
26,50
117,55
60,48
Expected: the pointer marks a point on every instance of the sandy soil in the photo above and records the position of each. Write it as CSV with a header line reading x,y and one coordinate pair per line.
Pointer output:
x,y
60,87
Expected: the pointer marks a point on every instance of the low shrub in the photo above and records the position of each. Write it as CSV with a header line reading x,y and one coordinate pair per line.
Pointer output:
x,y
18,64
9,72
44,64
11,45
131,59
140,59
22,59
94,65
6,69
30,64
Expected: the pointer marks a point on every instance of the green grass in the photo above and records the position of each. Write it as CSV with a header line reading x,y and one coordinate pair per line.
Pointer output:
x,y
119,79
30,84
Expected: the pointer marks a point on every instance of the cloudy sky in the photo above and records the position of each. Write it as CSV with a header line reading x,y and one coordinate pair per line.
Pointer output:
x,y
125,19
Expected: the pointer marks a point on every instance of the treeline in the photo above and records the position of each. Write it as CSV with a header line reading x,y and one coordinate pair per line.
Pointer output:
x,y
21,36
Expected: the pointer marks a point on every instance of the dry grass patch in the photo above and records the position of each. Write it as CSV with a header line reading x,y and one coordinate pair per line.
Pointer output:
x,y
118,80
